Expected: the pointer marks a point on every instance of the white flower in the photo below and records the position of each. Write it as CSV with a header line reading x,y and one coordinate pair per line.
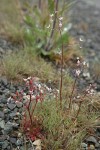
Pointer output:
x,y
61,18
60,24
78,62
84,63
51,15
78,72
77,58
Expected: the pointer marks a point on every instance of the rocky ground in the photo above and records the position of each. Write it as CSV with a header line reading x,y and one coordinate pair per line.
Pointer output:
x,y
86,27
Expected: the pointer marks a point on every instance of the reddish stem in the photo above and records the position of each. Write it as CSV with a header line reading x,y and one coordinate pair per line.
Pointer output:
x,y
82,99
33,109
70,102
62,64
30,116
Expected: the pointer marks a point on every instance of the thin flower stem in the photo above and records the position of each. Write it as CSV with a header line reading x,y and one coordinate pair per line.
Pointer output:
x,y
29,105
70,101
80,104
28,108
79,109
39,4
30,116
62,64
33,109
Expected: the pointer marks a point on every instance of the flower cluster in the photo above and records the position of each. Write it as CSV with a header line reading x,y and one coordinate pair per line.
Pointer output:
x,y
34,92
80,66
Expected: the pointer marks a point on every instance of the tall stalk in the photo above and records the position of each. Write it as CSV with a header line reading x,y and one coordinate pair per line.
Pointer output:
x,y
70,101
62,64
47,48
39,4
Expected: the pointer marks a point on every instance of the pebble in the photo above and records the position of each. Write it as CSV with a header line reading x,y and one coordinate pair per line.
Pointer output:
x,y
91,139
1,114
92,147
2,124
13,140
19,104
5,144
84,146
11,106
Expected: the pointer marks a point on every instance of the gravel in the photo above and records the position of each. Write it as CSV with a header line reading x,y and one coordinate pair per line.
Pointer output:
x,y
85,27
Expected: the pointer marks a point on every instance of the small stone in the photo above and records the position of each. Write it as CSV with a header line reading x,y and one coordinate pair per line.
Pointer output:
x,y
3,138
86,75
11,106
97,145
91,139
1,105
2,124
6,110
19,134
4,81
92,147
15,125
18,142
1,51
12,115
8,127
15,110
83,145
19,104
3,99
37,142
13,140
5,144
1,114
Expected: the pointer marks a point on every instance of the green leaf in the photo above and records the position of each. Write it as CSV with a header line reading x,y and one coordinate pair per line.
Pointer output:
x,y
29,21
45,53
51,5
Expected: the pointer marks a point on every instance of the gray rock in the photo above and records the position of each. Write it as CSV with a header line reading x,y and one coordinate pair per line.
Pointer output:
x,y
8,127
1,114
11,106
97,145
12,115
13,140
92,147
19,142
3,138
4,81
15,125
5,144
6,110
1,105
2,124
3,99
84,146
15,110
19,104
91,139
